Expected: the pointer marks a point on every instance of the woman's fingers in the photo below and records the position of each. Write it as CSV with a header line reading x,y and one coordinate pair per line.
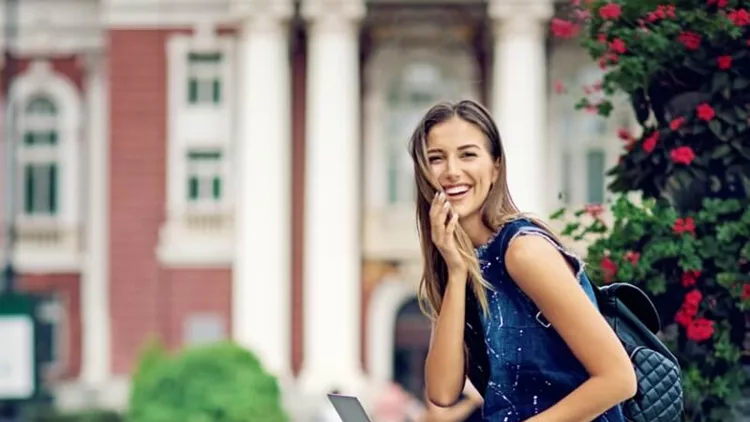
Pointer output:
x,y
452,224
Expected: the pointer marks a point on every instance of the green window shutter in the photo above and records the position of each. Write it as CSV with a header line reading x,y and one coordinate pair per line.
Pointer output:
x,y
595,175
193,90
53,191
217,91
217,188
192,188
28,203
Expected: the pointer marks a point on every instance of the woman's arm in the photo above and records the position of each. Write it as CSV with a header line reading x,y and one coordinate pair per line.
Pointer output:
x,y
444,367
543,274
459,411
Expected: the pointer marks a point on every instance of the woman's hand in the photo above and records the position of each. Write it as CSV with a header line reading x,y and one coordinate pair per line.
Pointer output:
x,y
444,222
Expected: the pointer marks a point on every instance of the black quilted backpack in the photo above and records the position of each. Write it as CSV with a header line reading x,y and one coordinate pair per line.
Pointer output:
x,y
634,318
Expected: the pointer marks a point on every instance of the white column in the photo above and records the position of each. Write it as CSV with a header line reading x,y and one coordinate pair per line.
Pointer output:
x,y
519,96
95,356
261,295
332,263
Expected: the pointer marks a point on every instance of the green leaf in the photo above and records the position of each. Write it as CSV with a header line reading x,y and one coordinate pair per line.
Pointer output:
x,y
721,151
740,84
719,82
715,127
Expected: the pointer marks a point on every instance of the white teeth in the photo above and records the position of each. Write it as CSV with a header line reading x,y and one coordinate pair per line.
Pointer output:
x,y
457,190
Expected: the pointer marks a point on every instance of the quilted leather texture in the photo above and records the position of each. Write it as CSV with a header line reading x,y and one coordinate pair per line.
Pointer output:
x,y
659,396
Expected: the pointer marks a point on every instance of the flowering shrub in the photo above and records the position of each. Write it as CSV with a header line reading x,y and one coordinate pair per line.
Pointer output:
x,y
695,268
685,65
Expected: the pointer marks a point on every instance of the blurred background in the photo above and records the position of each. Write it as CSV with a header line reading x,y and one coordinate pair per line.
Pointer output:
x,y
179,173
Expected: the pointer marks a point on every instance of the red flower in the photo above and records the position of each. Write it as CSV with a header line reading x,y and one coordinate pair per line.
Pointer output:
x,y
684,225
689,308
745,291
661,12
609,268
700,329
705,112
564,29
724,62
693,299
739,17
682,155
719,3
559,87
682,317
610,11
618,46
632,257
689,278
594,210
691,40
676,123
624,134
650,143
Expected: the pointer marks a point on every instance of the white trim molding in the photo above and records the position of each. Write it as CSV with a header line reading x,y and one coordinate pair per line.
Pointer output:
x,y
57,28
196,236
50,244
133,14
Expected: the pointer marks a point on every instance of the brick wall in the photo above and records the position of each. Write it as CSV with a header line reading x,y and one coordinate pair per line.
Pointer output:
x,y
146,298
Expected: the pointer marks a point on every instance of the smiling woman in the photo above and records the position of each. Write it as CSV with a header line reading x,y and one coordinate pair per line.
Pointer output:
x,y
528,336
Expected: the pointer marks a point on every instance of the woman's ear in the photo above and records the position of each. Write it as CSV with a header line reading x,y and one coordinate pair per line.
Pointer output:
x,y
496,171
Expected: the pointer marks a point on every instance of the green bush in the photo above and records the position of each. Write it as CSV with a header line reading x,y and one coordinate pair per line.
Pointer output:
x,y
218,383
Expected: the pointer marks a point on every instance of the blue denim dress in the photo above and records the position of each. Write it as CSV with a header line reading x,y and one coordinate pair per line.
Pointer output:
x,y
524,366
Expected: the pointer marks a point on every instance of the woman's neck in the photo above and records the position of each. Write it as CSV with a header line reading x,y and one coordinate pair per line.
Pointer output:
x,y
477,231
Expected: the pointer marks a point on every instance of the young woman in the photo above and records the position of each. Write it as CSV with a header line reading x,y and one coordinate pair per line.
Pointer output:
x,y
511,308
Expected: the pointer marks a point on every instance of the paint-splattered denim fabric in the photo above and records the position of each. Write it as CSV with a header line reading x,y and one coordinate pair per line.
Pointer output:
x,y
530,366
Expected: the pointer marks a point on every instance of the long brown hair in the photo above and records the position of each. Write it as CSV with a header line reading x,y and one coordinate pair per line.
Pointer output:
x,y
498,208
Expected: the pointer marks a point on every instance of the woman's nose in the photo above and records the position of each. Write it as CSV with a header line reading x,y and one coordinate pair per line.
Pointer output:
x,y
452,167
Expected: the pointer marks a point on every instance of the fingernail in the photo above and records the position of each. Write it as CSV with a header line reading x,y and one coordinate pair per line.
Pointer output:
x,y
447,205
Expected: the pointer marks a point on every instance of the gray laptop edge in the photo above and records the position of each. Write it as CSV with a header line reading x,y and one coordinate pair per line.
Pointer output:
x,y
349,408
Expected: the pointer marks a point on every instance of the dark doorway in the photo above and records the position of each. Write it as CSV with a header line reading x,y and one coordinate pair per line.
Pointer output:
x,y
411,342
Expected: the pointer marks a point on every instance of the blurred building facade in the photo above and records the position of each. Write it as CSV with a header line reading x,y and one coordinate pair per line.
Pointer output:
x,y
236,169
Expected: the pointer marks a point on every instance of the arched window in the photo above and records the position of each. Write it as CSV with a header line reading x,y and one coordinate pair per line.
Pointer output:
x,y
411,343
418,86
38,154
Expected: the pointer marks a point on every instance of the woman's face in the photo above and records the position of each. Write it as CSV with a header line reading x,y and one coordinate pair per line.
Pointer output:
x,y
458,157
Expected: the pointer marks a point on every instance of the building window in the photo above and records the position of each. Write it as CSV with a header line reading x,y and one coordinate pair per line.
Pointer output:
x,y
38,156
595,176
419,86
204,176
204,78
51,314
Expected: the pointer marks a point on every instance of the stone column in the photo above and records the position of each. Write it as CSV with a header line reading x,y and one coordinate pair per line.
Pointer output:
x,y
519,95
261,295
96,318
332,263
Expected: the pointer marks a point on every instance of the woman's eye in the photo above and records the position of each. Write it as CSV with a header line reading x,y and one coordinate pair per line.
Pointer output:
x,y
434,159
470,154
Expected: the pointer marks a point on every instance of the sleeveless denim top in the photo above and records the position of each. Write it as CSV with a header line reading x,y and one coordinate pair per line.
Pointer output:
x,y
516,359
